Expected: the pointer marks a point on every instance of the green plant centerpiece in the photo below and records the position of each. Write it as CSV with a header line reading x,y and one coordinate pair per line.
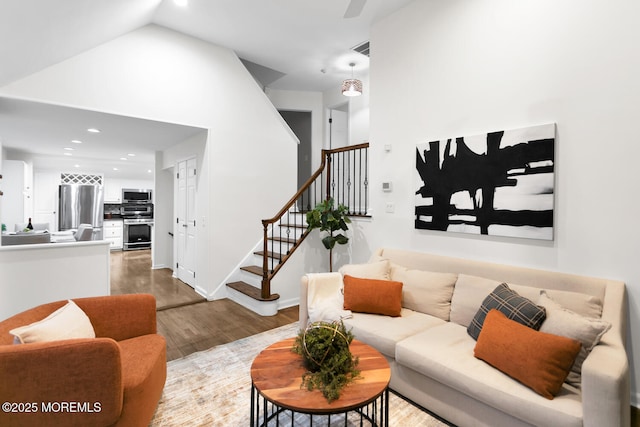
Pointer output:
x,y
324,347
329,219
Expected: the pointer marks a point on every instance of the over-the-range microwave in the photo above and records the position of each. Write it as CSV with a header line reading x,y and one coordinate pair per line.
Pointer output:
x,y
133,195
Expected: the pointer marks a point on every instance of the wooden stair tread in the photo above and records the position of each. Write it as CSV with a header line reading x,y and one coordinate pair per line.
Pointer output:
x,y
254,269
251,291
283,239
270,254
303,226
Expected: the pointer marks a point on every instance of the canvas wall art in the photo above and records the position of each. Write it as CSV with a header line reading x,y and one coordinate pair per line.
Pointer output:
x,y
499,183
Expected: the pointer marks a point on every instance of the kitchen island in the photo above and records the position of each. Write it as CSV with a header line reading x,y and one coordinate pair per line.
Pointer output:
x,y
39,273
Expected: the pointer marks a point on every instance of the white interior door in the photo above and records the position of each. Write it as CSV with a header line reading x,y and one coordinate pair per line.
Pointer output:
x,y
186,222
45,199
339,128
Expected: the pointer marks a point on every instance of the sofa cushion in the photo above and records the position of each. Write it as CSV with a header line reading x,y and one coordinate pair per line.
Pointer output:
x,y
67,322
512,305
373,270
445,354
425,291
566,323
383,332
372,296
538,360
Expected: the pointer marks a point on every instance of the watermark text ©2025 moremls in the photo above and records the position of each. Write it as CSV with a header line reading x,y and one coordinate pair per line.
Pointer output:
x,y
51,407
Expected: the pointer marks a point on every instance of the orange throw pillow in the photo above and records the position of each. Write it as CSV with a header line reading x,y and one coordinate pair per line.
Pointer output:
x,y
538,360
372,296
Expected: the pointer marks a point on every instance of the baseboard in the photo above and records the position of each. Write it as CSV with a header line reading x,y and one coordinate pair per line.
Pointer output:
x,y
288,303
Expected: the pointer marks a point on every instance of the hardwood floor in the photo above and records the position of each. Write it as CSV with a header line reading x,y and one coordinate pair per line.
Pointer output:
x,y
188,322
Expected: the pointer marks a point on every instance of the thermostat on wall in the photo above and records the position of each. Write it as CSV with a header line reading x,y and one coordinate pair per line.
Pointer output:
x,y
386,186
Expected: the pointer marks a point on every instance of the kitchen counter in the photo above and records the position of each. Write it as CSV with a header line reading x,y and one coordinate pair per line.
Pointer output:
x,y
43,272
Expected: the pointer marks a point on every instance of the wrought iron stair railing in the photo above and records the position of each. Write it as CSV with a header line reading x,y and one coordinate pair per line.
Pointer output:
x,y
344,176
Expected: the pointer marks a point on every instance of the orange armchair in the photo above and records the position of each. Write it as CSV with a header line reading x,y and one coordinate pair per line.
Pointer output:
x,y
115,379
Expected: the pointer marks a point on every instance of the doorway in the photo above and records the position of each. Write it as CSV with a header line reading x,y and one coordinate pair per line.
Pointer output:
x,y
186,221
300,124
338,126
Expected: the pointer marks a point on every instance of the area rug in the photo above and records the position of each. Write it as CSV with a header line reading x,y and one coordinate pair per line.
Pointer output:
x,y
213,388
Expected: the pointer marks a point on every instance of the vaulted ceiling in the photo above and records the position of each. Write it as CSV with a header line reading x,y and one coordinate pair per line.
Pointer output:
x,y
287,44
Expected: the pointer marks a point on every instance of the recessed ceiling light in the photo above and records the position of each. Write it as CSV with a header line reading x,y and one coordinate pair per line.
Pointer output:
x,y
181,3
69,148
123,158
93,130
115,169
68,154
76,166
149,171
76,141
131,155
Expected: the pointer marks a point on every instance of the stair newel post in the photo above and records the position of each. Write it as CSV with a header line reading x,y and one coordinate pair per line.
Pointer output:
x,y
265,289
328,154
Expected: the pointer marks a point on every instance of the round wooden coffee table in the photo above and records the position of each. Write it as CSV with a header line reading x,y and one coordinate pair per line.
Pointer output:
x,y
276,376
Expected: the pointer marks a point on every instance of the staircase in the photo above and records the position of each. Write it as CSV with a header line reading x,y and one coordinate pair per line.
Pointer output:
x,y
343,175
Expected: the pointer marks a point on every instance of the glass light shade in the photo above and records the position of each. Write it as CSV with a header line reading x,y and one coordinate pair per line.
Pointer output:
x,y
352,87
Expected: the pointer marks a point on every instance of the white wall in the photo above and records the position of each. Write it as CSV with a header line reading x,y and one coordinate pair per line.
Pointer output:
x,y
2,157
162,75
497,64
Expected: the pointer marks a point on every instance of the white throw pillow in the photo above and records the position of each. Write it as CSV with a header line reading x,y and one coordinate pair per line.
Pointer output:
x,y
379,270
583,304
468,294
425,291
566,323
66,322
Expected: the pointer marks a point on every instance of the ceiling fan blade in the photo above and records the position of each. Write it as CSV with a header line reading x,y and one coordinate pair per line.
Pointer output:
x,y
355,8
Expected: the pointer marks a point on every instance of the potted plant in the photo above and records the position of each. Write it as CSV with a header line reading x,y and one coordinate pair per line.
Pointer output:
x,y
331,220
324,347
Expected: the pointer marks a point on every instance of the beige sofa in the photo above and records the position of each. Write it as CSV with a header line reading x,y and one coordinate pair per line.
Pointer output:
x,y
432,355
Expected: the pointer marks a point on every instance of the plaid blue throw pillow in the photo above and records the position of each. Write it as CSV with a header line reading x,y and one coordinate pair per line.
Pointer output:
x,y
512,305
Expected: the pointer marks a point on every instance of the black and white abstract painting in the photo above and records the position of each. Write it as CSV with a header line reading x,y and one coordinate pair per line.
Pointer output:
x,y
499,183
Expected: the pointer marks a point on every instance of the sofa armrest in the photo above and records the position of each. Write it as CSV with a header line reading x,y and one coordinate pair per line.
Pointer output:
x,y
85,373
121,316
605,387
605,372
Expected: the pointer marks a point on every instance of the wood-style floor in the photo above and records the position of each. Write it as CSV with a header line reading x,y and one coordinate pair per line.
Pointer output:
x,y
188,322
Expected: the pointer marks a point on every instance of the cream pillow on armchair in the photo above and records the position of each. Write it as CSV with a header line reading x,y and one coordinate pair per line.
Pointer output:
x,y
67,322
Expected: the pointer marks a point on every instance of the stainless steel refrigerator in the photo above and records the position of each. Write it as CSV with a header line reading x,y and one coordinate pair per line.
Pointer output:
x,y
81,204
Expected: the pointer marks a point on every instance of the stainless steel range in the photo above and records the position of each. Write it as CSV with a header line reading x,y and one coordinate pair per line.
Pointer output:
x,y
138,225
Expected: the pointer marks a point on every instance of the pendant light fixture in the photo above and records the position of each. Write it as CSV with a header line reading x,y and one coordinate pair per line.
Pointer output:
x,y
352,87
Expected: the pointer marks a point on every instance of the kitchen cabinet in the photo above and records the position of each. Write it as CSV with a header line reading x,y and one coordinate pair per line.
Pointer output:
x,y
112,229
112,191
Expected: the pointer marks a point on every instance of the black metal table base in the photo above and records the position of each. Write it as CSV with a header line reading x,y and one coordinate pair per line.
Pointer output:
x,y
265,413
